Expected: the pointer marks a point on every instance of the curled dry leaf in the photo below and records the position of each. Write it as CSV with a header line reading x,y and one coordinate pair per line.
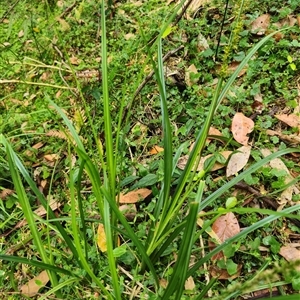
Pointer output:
x,y
241,126
260,25
134,196
238,160
33,286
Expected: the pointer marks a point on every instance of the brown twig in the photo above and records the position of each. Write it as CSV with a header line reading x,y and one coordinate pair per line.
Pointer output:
x,y
267,200
185,7
8,11
67,10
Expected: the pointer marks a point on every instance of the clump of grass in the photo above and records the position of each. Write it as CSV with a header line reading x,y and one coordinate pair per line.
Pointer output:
x,y
164,227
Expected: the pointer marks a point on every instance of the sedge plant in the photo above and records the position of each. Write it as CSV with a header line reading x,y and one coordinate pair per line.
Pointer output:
x,y
164,227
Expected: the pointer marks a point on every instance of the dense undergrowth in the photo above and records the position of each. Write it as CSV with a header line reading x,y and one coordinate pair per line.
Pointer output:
x,y
79,130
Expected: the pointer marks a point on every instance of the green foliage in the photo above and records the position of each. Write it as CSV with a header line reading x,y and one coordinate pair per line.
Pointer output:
x,y
162,238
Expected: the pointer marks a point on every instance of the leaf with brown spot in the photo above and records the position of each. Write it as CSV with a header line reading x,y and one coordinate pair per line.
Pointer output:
x,y
260,25
134,196
241,126
238,160
32,287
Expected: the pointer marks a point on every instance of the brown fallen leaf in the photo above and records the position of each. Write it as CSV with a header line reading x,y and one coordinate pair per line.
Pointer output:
x,y
217,166
222,274
291,120
287,194
51,157
234,65
225,227
188,75
291,138
41,211
189,284
5,193
241,126
129,211
32,287
260,25
291,254
134,196
238,160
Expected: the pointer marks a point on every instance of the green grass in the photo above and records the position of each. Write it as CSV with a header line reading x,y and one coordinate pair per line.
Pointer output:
x,y
101,134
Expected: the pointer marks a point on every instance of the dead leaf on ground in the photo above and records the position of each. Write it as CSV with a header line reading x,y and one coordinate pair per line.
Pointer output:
x,y
134,196
190,72
202,43
193,7
291,120
291,254
257,104
234,65
74,60
182,161
238,160
222,274
209,231
155,150
225,227
287,194
5,193
260,25
129,211
291,138
101,238
241,126
33,286
51,157
189,284
41,212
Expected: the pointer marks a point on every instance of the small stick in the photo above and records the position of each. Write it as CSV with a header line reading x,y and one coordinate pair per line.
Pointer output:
x,y
8,11
268,200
